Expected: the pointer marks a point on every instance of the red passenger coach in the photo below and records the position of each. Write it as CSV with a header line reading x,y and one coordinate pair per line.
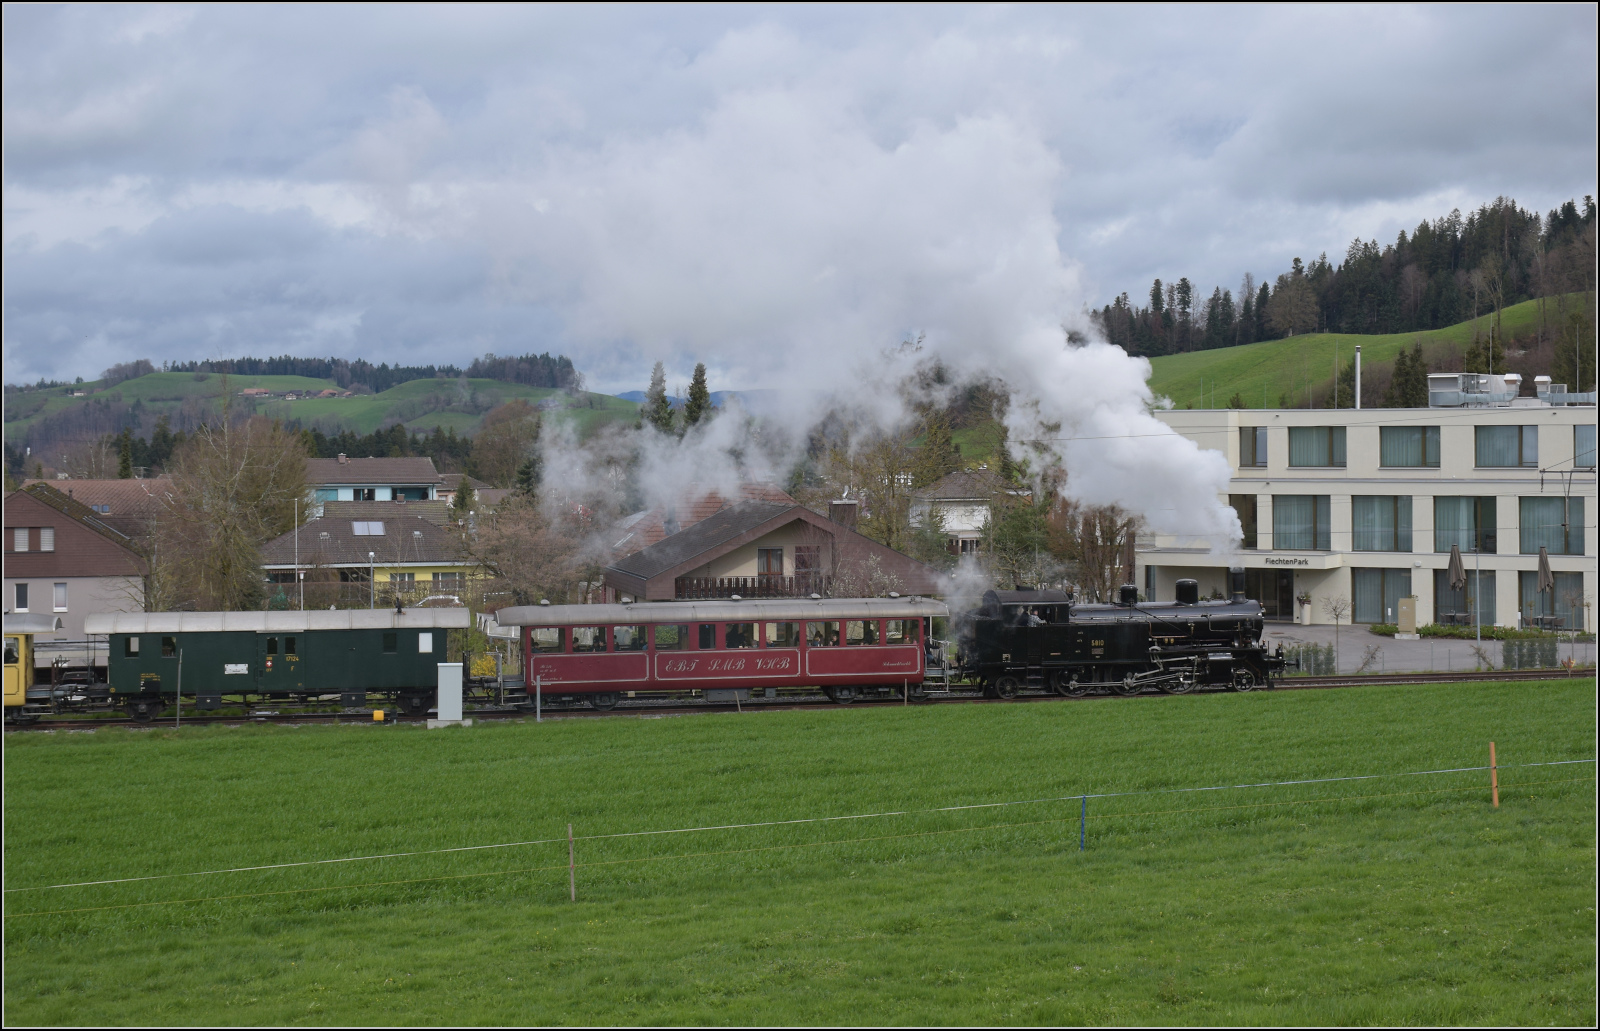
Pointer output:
x,y
849,647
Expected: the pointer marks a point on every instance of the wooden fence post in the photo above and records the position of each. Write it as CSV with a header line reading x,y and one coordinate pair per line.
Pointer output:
x,y
1494,777
572,867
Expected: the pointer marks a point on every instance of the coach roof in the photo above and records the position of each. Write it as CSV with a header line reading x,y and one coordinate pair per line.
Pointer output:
x,y
275,622
721,611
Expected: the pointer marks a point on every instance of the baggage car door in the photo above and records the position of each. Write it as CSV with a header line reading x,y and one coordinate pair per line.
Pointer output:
x,y
278,660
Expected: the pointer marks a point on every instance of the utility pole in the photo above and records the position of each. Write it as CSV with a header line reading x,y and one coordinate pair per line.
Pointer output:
x,y
372,580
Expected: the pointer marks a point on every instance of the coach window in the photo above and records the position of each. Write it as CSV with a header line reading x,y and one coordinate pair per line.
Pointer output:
x,y
272,646
861,631
822,634
672,638
783,635
708,636
739,635
130,647
391,643
545,639
588,639
169,647
628,638
900,631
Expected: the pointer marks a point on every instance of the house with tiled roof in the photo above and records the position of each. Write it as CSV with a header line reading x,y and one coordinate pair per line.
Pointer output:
x,y
760,549
372,479
389,547
693,504
63,559
963,501
127,506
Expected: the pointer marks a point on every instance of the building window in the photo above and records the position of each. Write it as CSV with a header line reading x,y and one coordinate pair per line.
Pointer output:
x,y
19,539
1583,446
61,597
769,561
361,528
1453,606
1555,524
327,493
1316,446
365,494
1245,506
449,579
1408,447
1252,447
1274,589
1502,447
1380,522
1467,523
47,538
1378,593
404,578
1561,608
21,599
1300,522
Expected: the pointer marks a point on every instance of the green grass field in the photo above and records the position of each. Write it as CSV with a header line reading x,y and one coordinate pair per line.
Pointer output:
x,y
1263,372
1403,900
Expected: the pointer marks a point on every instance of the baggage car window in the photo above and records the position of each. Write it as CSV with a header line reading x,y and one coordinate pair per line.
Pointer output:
x,y
739,635
169,647
628,638
783,635
130,647
900,631
672,638
708,635
272,646
588,639
288,645
424,644
545,639
861,631
391,643
822,634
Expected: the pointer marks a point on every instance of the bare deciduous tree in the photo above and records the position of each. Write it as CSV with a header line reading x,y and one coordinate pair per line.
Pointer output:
x,y
534,554
1336,608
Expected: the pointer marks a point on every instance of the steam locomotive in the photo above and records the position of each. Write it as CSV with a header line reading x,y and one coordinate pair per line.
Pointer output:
x,y
1020,639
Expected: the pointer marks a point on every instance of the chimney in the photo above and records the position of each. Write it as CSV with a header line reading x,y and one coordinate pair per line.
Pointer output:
x,y
844,512
344,459
1358,377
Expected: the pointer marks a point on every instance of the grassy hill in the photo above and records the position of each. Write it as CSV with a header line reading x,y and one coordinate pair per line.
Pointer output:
x,y
1266,371
420,404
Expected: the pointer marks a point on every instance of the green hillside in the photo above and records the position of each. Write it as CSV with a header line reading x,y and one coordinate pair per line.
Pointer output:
x,y
1265,371
420,404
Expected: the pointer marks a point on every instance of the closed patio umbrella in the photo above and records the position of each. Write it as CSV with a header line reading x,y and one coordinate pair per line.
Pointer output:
x,y
1547,580
1456,570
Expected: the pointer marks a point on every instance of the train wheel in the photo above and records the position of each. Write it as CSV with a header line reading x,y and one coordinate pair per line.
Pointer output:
x,y
1007,687
1244,680
605,701
842,695
1179,686
1126,687
1066,683
144,712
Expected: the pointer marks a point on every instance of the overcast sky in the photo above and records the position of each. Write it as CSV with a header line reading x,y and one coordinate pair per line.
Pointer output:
x,y
732,185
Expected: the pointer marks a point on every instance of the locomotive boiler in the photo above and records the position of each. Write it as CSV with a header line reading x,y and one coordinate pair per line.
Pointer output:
x,y
1044,639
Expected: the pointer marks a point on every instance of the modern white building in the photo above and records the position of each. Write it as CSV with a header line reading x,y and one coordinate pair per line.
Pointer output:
x,y
1364,505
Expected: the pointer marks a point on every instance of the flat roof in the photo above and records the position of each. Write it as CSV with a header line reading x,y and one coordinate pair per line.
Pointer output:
x,y
728,611
275,622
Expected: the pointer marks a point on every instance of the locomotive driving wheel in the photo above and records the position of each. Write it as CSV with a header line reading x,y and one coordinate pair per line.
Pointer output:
x,y
1066,683
1245,680
1126,686
605,701
1007,687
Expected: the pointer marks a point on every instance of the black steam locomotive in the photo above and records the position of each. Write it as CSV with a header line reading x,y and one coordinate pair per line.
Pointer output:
x,y
1044,639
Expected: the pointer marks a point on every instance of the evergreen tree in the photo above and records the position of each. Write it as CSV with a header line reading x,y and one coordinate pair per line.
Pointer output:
x,y
125,455
657,410
1574,359
1408,387
940,455
466,499
1262,297
698,405
530,474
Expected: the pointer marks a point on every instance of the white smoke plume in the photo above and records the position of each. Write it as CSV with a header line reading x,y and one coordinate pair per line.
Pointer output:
x,y
790,239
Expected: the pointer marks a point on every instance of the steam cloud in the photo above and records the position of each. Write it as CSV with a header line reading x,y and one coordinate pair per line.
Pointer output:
x,y
791,244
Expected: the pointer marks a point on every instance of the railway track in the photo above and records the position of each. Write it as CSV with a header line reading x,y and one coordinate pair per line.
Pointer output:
x,y
652,708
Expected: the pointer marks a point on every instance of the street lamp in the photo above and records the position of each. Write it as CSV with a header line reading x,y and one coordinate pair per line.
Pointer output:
x,y
372,580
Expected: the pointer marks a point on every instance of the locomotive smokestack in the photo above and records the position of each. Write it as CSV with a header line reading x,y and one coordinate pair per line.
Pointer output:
x,y
1129,595
1236,583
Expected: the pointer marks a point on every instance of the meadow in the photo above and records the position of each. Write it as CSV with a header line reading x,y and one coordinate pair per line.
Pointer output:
x,y
1396,900
1263,372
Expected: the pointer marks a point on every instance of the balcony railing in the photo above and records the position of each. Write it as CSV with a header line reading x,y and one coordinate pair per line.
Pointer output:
x,y
802,585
